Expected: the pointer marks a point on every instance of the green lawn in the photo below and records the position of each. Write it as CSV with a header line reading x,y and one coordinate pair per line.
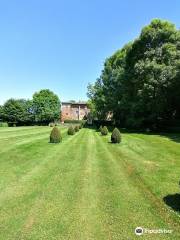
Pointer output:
x,y
86,188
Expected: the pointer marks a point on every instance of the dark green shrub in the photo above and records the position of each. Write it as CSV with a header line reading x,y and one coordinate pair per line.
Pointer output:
x,y
3,124
116,136
75,121
71,130
100,128
51,124
76,128
98,123
83,124
55,136
104,131
80,126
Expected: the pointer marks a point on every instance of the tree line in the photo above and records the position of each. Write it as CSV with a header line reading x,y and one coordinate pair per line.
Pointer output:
x,y
42,109
140,83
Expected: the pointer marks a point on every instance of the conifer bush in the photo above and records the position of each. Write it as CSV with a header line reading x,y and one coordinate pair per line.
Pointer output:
x,y
51,124
116,136
100,128
76,128
55,136
71,130
104,131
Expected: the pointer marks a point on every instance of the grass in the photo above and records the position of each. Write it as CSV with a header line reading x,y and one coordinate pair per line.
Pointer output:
x,y
86,188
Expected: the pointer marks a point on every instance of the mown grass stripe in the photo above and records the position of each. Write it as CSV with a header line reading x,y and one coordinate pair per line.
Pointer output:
x,y
84,188
123,165
31,188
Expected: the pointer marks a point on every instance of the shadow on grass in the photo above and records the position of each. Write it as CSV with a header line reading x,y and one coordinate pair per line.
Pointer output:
x,y
174,136
173,201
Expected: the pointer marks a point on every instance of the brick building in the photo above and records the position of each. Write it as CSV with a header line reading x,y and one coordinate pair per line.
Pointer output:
x,y
74,110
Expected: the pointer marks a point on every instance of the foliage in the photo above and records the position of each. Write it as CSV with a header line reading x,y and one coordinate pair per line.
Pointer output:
x,y
104,131
3,124
55,136
75,121
100,128
116,136
76,128
98,123
92,107
46,106
96,95
18,111
1,113
83,123
52,124
71,130
140,82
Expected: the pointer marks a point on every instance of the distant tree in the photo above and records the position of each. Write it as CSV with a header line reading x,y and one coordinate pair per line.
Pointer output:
x,y
1,113
95,93
46,106
18,111
91,105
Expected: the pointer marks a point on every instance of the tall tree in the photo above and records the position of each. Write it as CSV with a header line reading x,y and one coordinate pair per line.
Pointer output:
x,y
140,83
18,111
1,113
46,106
152,66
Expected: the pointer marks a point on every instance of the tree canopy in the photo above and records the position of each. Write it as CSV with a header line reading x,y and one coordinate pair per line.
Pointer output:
x,y
17,111
44,108
140,83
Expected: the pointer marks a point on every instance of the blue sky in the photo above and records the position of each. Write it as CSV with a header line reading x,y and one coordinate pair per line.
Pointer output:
x,y
62,44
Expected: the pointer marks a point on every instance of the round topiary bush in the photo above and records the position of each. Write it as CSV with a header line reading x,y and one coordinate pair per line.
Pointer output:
x,y
76,128
116,136
71,130
51,124
55,136
104,131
